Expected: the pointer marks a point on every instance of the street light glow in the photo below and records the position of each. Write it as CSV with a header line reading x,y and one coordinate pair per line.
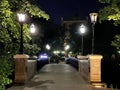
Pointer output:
x,y
21,17
67,47
32,28
48,46
93,17
56,52
82,29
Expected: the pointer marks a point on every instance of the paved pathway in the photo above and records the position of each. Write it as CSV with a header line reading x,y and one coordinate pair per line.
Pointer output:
x,y
57,77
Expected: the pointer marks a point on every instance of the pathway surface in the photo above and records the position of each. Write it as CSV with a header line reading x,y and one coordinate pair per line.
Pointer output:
x,y
57,77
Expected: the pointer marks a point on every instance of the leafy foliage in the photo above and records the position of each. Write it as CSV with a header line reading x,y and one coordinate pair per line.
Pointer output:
x,y
6,69
31,49
111,11
116,42
10,32
104,1
34,10
10,27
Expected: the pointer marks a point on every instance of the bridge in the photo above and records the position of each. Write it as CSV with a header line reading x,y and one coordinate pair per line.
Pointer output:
x,y
59,76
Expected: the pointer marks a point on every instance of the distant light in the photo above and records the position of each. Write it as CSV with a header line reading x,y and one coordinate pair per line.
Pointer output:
x,y
56,52
67,47
32,28
63,52
70,52
48,47
119,52
42,57
82,29
8,51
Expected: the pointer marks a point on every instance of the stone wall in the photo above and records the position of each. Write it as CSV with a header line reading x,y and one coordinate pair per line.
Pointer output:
x,y
90,69
84,69
31,69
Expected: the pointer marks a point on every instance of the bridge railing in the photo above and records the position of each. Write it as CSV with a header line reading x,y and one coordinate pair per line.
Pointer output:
x,y
31,69
73,62
89,68
25,68
84,67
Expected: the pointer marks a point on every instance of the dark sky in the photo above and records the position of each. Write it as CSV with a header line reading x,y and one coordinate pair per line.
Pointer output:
x,y
104,33
68,8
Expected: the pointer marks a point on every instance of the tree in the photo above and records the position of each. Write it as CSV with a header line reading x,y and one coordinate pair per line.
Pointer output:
x,y
6,69
10,32
116,42
10,27
111,12
31,50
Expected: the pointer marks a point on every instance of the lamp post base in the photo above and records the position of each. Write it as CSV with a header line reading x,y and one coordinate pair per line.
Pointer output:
x,y
20,68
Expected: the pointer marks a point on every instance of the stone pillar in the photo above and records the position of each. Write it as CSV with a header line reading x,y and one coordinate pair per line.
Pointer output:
x,y
20,68
95,69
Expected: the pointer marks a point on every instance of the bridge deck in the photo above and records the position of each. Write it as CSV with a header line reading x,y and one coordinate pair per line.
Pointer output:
x,y
57,77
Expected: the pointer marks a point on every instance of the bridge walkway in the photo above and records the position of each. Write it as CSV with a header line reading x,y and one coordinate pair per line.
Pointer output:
x,y
57,77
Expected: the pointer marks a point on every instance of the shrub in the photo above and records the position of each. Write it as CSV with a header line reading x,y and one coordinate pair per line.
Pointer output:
x,y
6,69
31,49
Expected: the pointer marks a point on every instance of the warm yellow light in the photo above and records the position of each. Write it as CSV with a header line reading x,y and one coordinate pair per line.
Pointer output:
x,y
98,85
56,52
93,17
67,47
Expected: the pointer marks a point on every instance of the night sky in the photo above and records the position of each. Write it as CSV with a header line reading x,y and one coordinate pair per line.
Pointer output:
x,y
104,32
69,8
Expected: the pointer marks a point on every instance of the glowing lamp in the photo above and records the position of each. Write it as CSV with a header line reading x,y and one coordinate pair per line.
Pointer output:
x,y
93,17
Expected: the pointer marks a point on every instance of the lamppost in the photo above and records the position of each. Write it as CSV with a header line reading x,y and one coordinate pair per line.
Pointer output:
x,y
21,19
32,31
93,18
82,31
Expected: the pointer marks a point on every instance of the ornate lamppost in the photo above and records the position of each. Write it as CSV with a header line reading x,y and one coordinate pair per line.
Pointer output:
x,y
93,18
82,31
20,59
21,19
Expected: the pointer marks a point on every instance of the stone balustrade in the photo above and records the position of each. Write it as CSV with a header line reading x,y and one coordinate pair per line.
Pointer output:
x,y
31,68
90,69
24,69
84,67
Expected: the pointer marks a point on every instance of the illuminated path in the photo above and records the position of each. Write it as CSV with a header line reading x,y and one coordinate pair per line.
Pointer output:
x,y
57,77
